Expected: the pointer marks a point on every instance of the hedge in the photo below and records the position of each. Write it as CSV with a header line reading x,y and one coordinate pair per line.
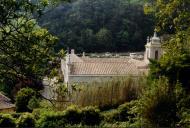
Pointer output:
x,y
91,116
26,121
7,120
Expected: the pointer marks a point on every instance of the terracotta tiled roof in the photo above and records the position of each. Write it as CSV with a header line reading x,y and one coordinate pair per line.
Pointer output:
x,y
101,60
5,102
104,68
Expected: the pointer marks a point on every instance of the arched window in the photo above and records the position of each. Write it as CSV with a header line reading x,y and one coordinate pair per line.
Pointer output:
x,y
156,55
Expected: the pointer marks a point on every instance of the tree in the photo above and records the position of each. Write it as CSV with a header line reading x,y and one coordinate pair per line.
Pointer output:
x,y
104,39
80,21
171,15
175,63
25,48
173,18
88,38
22,99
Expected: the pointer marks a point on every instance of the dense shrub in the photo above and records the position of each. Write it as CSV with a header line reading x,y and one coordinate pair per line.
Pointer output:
x,y
26,120
52,120
72,115
185,119
115,125
16,115
91,116
7,121
33,103
124,114
111,116
75,126
22,99
120,114
40,111
163,112
183,106
158,105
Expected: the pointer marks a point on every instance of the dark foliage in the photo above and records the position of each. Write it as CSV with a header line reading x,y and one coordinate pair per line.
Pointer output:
x,y
100,25
72,115
7,121
51,120
22,99
91,116
26,121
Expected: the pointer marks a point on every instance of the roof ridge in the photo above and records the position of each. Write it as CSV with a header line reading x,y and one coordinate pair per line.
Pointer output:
x,y
104,62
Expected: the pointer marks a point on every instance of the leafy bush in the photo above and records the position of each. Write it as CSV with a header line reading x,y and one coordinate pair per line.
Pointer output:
x,y
115,125
33,103
72,115
91,116
51,120
26,120
111,116
22,99
40,111
16,115
185,119
7,121
158,104
183,106
124,113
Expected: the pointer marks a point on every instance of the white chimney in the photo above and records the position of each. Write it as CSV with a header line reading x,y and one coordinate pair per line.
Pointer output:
x,y
83,54
72,51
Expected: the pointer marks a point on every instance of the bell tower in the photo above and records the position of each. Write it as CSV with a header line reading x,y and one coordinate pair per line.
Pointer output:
x,y
153,48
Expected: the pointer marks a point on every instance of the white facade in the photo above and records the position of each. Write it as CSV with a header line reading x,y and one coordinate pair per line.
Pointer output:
x,y
153,48
67,64
85,69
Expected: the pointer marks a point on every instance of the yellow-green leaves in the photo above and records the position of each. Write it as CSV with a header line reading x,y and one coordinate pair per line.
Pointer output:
x,y
25,48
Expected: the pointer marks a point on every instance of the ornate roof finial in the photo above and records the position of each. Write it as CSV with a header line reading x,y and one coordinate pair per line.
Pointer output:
x,y
155,34
155,38
148,39
67,50
83,54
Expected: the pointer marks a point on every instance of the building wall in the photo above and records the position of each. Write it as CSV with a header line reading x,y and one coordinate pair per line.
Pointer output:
x,y
153,50
65,69
7,110
89,79
150,52
49,93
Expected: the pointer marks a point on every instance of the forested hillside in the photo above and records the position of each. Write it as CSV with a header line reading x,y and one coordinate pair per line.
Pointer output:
x,y
159,100
100,25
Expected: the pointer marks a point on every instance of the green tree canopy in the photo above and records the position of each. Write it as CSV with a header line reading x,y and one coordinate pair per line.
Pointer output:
x,y
173,18
171,15
25,48
104,39
125,20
